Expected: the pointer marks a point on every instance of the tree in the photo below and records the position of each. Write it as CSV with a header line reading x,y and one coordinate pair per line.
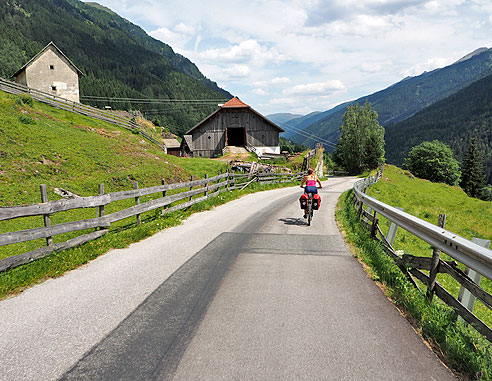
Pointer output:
x,y
361,144
434,161
473,178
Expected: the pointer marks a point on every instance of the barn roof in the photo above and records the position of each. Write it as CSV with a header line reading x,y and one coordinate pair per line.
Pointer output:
x,y
171,143
237,104
40,53
234,103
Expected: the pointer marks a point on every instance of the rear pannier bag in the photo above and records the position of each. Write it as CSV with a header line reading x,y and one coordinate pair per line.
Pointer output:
x,y
316,201
303,201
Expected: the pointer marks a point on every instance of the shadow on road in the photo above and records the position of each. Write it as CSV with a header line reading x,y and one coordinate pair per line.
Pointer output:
x,y
293,221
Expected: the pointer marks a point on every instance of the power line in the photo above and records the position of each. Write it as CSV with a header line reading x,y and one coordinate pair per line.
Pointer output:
x,y
152,100
307,134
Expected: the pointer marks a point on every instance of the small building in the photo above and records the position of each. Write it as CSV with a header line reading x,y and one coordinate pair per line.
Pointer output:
x,y
52,72
172,147
233,124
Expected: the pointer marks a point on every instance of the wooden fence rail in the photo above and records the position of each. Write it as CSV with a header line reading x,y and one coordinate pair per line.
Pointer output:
x,y
207,187
210,186
79,108
478,257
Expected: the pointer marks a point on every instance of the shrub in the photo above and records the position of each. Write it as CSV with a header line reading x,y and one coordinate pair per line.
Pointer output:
x,y
26,119
434,161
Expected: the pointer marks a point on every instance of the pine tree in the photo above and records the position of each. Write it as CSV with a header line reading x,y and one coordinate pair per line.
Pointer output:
x,y
473,175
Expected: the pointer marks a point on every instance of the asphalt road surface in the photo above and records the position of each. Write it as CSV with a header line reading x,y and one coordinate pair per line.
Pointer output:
x,y
246,291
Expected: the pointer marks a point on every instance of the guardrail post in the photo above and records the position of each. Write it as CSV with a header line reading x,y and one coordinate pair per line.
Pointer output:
x,y
374,228
391,235
466,297
206,185
436,253
46,217
191,188
137,202
101,207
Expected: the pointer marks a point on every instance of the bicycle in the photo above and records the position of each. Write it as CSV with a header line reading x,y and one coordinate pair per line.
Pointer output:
x,y
309,207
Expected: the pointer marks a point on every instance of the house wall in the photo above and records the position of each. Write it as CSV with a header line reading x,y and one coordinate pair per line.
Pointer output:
x,y
21,78
210,138
63,76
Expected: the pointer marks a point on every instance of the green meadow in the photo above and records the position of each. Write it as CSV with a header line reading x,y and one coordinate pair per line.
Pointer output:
x,y
465,216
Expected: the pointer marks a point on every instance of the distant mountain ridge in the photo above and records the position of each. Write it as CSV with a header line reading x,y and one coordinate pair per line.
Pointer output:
x,y
453,120
282,117
117,57
405,98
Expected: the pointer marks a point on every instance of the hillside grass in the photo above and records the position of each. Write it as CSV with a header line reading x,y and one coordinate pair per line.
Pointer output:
x,y
43,145
466,216
463,348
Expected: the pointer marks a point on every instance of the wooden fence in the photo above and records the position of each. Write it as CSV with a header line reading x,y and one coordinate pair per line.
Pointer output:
x,y
79,108
473,254
207,187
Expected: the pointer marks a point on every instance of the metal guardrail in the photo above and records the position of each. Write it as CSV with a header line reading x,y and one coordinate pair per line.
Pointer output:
x,y
470,254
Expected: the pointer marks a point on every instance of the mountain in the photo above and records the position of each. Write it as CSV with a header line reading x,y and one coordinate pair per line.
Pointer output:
x,y
118,58
282,117
403,99
453,120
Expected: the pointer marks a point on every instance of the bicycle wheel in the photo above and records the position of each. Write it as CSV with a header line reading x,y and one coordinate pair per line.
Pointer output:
x,y
310,211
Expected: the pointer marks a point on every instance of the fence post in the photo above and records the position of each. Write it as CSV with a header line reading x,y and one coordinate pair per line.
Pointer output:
x,y
391,235
191,188
163,182
374,228
101,207
436,253
466,297
46,217
206,185
137,202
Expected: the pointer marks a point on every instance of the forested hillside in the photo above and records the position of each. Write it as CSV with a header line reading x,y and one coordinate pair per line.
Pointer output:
x,y
453,120
408,96
117,57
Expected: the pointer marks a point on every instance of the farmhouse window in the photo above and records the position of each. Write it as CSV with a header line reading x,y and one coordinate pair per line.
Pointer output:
x,y
52,67
53,88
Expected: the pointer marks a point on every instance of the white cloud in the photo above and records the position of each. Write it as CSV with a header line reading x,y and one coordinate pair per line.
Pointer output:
x,y
275,81
318,88
430,64
260,92
366,44
246,51
177,37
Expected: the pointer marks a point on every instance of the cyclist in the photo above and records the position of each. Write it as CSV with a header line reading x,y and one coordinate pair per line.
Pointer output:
x,y
310,181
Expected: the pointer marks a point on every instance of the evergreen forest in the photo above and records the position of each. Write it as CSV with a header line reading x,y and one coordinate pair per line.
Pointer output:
x,y
118,59
455,120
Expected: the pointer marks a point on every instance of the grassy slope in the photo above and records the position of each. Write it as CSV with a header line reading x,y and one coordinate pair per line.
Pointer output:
x,y
43,145
466,216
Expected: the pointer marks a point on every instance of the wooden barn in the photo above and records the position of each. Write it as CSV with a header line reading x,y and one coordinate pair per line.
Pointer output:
x,y
233,124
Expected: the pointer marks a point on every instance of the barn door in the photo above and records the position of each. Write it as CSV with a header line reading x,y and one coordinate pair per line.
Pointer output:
x,y
236,136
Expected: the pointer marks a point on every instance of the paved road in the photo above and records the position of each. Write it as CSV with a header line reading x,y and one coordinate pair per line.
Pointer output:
x,y
246,291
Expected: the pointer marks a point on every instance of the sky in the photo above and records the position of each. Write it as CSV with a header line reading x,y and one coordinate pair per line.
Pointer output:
x,y
300,56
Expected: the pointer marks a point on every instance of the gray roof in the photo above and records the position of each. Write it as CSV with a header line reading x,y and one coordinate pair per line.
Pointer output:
x,y
171,143
79,72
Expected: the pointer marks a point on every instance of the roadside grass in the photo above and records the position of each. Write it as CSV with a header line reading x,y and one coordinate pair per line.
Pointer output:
x,y
464,349
466,216
120,235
